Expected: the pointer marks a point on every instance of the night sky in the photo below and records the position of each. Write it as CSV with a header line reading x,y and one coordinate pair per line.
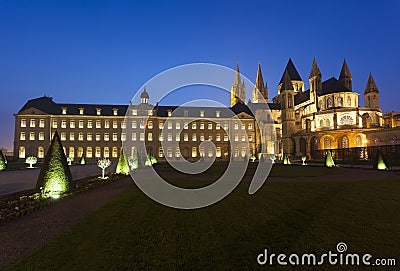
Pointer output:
x,y
103,51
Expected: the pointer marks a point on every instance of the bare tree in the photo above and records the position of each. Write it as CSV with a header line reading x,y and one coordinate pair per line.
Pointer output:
x,y
103,164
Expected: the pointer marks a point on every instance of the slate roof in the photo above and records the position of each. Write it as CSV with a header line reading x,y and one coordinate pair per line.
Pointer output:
x,y
293,73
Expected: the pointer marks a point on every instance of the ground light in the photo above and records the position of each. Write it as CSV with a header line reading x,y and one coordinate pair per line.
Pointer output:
x,y
286,160
304,158
381,165
329,160
122,166
55,176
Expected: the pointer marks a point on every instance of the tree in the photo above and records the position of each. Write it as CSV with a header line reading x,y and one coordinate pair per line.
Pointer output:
x,y
272,158
82,160
286,160
133,162
150,161
31,160
70,160
3,161
55,176
103,164
329,160
122,166
380,163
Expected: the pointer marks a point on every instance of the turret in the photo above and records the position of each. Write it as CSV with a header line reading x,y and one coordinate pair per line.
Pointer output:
x,y
260,92
288,113
371,94
345,76
315,80
144,97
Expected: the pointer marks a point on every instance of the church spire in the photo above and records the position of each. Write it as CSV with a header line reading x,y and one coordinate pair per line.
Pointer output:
x,y
371,85
238,90
314,69
260,93
259,78
237,76
345,72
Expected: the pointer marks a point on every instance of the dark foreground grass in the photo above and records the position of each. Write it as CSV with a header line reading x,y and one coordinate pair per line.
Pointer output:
x,y
135,233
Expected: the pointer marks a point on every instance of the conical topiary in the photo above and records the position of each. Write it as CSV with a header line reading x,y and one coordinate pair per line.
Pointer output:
x,y
122,166
286,160
82,160
329,160
3,161
380,163
55,176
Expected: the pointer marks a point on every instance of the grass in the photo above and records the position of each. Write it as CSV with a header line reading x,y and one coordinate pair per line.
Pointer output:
x,y
134,233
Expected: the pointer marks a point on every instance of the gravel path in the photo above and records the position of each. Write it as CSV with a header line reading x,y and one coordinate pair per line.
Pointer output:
x,y
21,236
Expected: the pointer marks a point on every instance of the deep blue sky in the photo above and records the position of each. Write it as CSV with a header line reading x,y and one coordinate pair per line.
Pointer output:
x,y
103,51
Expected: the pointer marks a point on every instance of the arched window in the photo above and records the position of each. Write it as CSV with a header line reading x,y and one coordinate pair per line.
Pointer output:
x,y
290,105
40,152
21,152
320,104
345,142
330,102
321,123
327,143
340,101
328,122
358,141
349,101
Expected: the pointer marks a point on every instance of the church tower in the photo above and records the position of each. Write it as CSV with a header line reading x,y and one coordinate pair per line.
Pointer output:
x,y
294,76
238,90
260,92
288,114
371,94
345,76
315,80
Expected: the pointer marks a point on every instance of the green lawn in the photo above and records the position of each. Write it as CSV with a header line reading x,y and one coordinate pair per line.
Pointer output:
x,y
135,233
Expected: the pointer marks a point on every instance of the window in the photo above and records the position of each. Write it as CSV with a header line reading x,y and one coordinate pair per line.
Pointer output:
x,y
328,122
177,137
185,113
327,143
201,137
134,137
150,136
236,137
115,111
63,124
358,141
72,124
150,125
169,152
89,137
320,105
340,101
330,102
64,110
194,152
21,152
243,138
242,126
169,113
218,137
349,101
98,111
71,136
161,137
141,137
134,112
194,137
89,153
201,151
115,124
40,152
80,136
178,125
114,152
89,124
134,124
31,136
218,154
23,123
160,125
22,136
169,125
106,152
345,142
177,152
321,123
63,136
217,114
194,125
202,125
217,126
226,138
160,152
202,114
250,137
115,136
106,137
80,152
55,124
210,137
169,137
81,111
106,124
71,152
32,123
80,124
150,113
290,104
98,124
123,124
226,126
98,136
41,123
41,136
210,126
185,137
250,126
236,126
97,152
186,125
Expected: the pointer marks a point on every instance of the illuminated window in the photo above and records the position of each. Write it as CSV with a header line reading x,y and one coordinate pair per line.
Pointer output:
x,y
64,110
123,124
21,152
218,154
89,137
201,151
178,125
22,136
97,152
40,152
330,102
194,152
141,137
55,124
98,124
41,123
161,137
218,137
115,137
23,123
63,136
327,143
150,136
133,136
89,153
71,152
243,138
72,124
41,136
32,123
114,152
98,111
80,136
250,126
328,122
71,136
134,124
210,126
63,124
150,113
80,152
236,137
115,111
242,126
80,125
217,114
340,101
169,152
201,137
81,111
89,124
106,137
106,124
177,137
169,125
226,126
194,125
345,142
106,152
194,137
210,137
98,136
186,125
169,137
150,125
226,138
202,113
31,136
160,125
185,137
160,152
202,125
115,124
134,112
217,126
358,141
348,101
250,138
169,113
177,152
236,126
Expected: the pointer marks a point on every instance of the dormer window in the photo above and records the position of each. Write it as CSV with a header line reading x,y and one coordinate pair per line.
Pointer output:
x,y
98,111
169,112
150,113
64,110
115,111
185,113
81,111
202,113
134,112
217,114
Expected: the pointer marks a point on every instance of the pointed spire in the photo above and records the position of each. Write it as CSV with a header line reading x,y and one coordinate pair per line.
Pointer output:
x,y
237,77
259,79
314,69
292,71
371,85
345,72
286,83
